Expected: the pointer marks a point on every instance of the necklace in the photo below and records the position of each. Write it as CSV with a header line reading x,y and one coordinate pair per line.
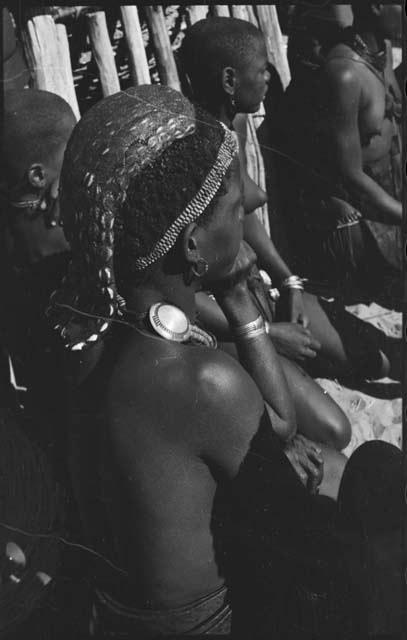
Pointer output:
x,y
171,323
377,60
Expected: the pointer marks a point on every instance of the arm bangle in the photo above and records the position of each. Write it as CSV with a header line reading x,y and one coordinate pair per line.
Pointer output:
x,y
293,282
250,330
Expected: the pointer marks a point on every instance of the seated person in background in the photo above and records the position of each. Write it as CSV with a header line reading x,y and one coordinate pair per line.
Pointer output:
x,y
343,190
225,61
163,423
35,253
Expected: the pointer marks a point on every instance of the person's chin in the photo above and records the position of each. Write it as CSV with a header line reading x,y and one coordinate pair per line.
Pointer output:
x,y
254,108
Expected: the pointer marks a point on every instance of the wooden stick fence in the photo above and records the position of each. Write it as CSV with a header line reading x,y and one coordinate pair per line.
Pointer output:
x,y
137,52
47,50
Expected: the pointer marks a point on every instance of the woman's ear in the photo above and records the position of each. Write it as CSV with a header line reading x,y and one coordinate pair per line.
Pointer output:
x,y
36,176
229,80
191,243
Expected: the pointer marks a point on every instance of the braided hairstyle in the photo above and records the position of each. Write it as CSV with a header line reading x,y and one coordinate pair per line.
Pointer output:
x,y
140,165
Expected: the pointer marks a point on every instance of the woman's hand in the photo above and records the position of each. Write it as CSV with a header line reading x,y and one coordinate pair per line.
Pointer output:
x,y
236,279
307,461
296,309
293,341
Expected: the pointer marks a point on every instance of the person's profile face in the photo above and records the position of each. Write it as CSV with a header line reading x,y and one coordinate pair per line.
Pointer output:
x,y
224,231
253,79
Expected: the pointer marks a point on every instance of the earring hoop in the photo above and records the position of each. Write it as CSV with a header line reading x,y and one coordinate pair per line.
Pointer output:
x,y
200,268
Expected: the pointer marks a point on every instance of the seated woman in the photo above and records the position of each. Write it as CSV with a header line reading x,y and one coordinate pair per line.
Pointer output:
x,y
34,250
162,423
226,64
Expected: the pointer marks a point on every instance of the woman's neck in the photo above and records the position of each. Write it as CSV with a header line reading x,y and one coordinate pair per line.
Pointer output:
x,y
369,38
220,112
169,288
224,116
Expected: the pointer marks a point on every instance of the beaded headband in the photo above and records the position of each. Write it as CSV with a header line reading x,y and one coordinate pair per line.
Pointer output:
x,y
110,145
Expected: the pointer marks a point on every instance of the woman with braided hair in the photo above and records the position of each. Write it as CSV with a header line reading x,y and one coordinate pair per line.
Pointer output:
x,y
171,440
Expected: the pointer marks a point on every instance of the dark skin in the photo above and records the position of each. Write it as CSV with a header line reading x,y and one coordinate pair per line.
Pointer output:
x,y
318,416
295,334
34,234
31,237
190,429
361,133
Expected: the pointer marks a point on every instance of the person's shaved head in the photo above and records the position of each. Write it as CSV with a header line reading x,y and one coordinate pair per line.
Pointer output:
x,y
212,44
35,125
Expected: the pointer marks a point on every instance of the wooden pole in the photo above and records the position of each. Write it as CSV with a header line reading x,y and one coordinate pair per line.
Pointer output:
x,y
221,10
47,51
103,52
137,53
268,23
252,16
240,11
66,69
167,68
197,12
244,12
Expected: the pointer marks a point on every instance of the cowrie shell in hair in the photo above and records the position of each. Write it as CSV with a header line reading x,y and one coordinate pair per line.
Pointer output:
x,y
105,253
93,338
104,326
153,141
44,578
15,555
110,292
78,346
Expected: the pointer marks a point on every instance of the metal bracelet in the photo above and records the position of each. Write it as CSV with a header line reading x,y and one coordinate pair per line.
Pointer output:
x,y
244,329
253,333
293,282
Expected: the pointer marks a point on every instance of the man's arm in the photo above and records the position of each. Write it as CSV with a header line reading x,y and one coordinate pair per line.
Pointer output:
x,y
345,96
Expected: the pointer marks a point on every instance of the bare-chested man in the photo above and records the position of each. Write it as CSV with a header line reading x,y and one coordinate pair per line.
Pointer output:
x,y
344,187
165,425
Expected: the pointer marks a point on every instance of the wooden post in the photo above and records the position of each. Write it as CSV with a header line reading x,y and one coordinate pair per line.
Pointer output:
x,y
137,53
47,52
221,10
66,69
103,52
240,11
252,16
268,23
167,68
197,12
